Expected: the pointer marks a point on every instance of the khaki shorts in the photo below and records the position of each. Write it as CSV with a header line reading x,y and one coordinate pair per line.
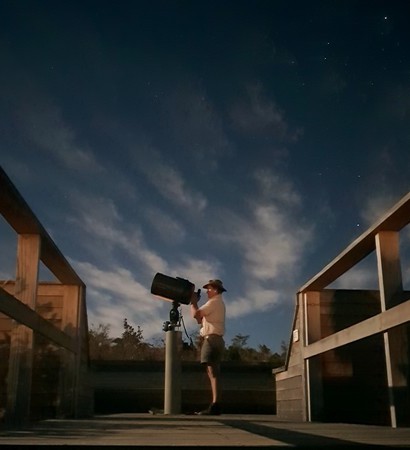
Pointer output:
x,y
212,349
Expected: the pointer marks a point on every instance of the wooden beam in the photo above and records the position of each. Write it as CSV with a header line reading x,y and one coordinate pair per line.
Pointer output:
x,y
55,261
393,317
394,220
21,218
20,312
14,208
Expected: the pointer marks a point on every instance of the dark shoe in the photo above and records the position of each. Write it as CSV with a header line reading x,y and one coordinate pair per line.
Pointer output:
x,y
213,409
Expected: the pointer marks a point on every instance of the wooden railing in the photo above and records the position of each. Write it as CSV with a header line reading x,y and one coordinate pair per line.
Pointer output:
x,y
22,319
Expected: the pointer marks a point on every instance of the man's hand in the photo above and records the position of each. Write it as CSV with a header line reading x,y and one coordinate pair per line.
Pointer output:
x,y
194,298
196,314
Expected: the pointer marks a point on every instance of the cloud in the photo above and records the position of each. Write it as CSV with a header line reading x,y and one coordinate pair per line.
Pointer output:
x,y
276,187
271,239
270,242
114,291
161,169
197,126
168,181
113,295
195,269
44,125
358,278
375,207
168,229
100,219
257,115
385,183
119,283
255,299
170,184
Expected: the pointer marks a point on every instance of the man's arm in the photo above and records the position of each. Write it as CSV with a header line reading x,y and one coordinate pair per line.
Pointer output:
x,y
195,311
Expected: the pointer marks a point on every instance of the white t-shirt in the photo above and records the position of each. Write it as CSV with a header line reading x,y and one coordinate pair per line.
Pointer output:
x,y
213,316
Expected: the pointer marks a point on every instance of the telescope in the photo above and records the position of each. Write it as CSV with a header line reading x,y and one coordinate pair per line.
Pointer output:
x,y
171,289
176,290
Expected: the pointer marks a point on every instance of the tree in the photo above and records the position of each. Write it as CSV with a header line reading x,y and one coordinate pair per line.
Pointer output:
x,y
283,350
131,343
100,343
235,352
240,351
240,341
265,353
190,350
131,346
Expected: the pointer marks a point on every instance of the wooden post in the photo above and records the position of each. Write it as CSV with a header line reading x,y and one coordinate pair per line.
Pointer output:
x,y
299,339
395,340
21,345
69,361
313,366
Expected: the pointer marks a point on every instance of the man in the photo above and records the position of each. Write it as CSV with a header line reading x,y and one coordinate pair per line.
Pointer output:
x,y
211,316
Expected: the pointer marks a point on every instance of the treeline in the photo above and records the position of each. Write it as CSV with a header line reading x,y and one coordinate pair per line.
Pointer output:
x,y
131,346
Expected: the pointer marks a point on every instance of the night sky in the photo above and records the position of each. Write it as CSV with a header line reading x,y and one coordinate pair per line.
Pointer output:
x,y
250,141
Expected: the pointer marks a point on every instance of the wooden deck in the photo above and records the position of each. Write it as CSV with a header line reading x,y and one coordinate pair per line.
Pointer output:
x,y
132,431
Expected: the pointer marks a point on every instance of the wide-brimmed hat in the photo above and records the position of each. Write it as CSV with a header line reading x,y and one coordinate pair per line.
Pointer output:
x,y
216,284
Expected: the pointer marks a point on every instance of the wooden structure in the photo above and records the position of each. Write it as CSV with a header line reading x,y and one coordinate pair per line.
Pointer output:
x,y
43,325
349,353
